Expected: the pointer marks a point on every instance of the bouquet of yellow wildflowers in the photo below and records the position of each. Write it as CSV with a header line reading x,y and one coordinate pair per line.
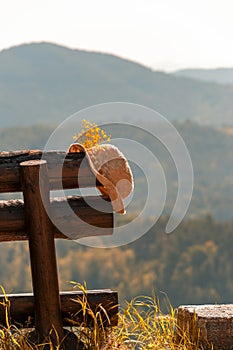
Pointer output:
x,y
91,135
106,162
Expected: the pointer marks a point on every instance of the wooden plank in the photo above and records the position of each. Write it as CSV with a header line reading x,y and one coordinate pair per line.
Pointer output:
x,y
22,307
70,163
207,326
35,185
12,225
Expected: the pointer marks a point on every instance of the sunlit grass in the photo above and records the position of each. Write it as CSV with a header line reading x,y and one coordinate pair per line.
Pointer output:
x,y
141,326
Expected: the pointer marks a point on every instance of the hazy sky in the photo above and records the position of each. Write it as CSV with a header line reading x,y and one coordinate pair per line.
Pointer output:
x,y
163,34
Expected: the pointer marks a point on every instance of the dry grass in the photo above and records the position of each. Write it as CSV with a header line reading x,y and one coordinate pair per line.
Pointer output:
x,y
142,326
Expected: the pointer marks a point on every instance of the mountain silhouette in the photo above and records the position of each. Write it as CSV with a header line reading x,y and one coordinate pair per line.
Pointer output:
x,y
45,83
218,75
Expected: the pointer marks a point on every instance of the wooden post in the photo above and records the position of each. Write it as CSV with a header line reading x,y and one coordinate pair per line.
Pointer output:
x,y
35,185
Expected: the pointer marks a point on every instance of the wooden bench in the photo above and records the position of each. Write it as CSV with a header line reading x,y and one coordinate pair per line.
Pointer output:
x,y
29,219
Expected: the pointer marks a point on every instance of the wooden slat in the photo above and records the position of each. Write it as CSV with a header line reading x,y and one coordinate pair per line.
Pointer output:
x,y
22,307
12,225
10,175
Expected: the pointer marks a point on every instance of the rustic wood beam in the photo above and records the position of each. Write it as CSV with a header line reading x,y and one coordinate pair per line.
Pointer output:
x,y
22,307
35,185
69,163
12,223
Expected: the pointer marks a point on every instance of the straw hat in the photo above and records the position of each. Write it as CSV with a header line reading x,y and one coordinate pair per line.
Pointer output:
x,y
111,169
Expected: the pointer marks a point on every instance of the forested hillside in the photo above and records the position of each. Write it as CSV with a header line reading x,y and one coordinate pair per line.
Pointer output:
x,y
192,265
46,83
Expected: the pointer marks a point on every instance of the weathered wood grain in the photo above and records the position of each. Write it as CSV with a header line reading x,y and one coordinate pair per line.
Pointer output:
x,y
35,185
22,307
208,326
12,223
61,165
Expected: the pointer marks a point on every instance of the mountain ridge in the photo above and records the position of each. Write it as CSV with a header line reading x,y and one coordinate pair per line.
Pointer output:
x,y
217,75
45,83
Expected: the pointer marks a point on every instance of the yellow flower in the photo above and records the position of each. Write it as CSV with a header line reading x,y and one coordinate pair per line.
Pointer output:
x,y
91,135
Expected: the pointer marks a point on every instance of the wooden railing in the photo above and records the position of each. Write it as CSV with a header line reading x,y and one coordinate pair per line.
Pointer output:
x,y
36,174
